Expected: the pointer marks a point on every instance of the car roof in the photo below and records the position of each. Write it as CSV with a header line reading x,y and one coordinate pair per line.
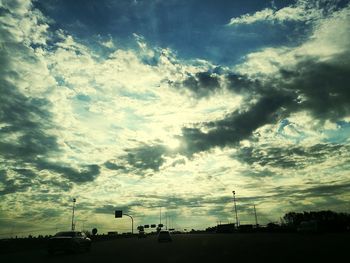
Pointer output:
x,y
67,232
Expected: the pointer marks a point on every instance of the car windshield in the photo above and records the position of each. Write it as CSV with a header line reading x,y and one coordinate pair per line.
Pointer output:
x,y
66,234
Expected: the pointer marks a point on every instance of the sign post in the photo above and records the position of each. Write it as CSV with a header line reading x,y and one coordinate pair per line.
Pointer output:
x,y
73,224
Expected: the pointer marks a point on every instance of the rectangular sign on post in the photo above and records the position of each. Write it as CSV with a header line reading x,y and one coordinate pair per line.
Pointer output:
x,y
118,213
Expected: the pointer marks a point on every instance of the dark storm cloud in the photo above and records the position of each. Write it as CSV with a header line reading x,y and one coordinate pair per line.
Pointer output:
x,y
19,183
201,84
296,157
112,165
316,86
64,185
144,158
30,118
310,190
242,84
234,127
82,174
27,117
324,86
23,179
26,120
228,131
327,190
258,173
319,87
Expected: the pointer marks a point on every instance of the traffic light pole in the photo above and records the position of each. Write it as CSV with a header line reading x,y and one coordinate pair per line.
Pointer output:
x,y
234,201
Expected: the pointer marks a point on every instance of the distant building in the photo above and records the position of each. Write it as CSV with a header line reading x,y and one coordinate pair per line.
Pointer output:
x,y
246,228
112,233
225,228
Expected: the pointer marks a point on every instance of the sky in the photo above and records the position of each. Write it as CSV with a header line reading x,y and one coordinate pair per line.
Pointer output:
x,y
149,106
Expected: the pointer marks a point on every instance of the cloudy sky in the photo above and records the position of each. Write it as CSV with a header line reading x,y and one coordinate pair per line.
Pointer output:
x,y
142,104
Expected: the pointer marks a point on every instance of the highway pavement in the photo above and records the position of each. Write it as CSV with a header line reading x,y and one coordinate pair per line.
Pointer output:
x,y
243,247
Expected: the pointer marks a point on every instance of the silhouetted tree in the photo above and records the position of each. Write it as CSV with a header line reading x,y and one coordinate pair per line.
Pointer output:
x,y
327,220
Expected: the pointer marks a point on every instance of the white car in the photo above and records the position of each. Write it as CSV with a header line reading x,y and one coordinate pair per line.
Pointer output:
x,y
69,241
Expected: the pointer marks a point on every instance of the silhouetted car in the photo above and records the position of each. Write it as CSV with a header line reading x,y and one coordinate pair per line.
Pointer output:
x,y
69,241
141,234
164,236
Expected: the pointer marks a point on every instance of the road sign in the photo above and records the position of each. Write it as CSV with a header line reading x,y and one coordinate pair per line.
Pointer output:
x,y
118,213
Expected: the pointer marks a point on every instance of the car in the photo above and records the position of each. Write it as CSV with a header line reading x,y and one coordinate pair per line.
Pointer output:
x,y
164,236
142,234
69,241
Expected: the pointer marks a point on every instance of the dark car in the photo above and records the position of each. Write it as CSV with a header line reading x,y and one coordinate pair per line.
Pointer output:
x,y
69,241
142,234
164,236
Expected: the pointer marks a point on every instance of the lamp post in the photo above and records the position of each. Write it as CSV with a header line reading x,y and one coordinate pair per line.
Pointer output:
x,y
132,223
256,218
73,225
234,202
160,215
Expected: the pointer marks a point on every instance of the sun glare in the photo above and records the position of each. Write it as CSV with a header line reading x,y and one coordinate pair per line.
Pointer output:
x,y
172,143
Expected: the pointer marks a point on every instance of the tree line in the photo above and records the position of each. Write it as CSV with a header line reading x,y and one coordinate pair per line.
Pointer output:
x,y
325,220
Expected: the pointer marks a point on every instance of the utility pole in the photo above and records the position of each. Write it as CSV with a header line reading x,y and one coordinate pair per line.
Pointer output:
x,y
256,218
160,215
73,225
166,221
234,202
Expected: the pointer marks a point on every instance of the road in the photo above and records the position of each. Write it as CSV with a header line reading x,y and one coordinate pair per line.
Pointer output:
x,y
255,247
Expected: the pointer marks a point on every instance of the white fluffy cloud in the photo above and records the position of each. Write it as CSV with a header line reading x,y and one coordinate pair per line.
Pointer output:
x,y
328,40
300,11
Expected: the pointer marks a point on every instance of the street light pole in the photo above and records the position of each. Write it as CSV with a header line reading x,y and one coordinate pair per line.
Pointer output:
x,y
160,215
166,221
132,223
73,225
256,218
234,202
